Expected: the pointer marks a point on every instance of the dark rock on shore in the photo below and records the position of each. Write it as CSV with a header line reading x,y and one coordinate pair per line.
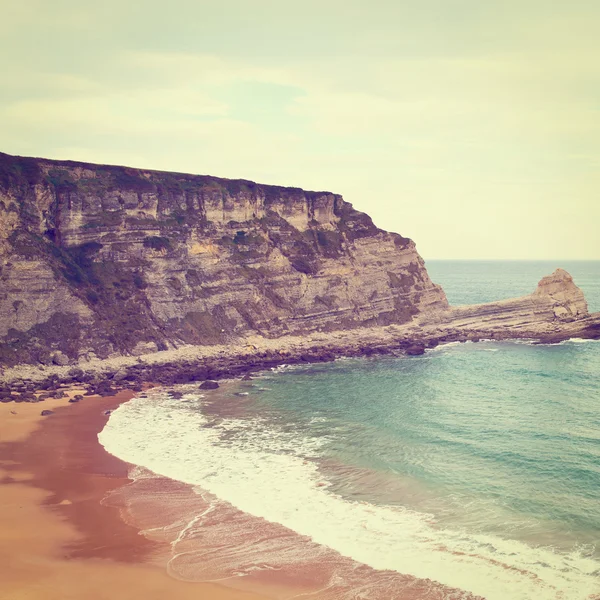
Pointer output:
x,y
60,359
46,413
121,374
415,349
104,388
209,385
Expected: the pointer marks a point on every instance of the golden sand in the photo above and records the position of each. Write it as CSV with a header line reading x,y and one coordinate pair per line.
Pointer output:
x,y
57,541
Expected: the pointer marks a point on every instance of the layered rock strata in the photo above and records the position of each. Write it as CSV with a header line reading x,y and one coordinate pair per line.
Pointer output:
x,y
99,261
556,309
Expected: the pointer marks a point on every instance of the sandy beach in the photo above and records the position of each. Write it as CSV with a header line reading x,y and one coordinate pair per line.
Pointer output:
x,y
57,541
64,535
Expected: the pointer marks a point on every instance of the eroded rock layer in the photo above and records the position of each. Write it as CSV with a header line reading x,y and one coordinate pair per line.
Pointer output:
x,y
98,261
557,305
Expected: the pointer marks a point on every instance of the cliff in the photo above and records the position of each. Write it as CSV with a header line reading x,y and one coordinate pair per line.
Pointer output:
x,y
99,261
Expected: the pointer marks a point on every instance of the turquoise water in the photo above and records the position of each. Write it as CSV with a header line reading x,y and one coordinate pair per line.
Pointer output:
x,y
476,466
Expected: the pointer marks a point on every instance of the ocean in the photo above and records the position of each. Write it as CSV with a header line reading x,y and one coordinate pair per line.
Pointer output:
x,y
471,471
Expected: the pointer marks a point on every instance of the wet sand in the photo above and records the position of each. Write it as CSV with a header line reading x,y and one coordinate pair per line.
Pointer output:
x,y
57,540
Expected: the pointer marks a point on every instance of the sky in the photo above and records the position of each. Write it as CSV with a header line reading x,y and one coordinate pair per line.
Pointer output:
x,y
471,126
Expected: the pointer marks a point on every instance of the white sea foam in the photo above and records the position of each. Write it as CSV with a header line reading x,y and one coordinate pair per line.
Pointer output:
x,y
318,420
268,472
444,346
282,368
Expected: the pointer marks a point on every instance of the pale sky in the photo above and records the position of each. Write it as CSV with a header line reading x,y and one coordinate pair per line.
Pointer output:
x,y
471,126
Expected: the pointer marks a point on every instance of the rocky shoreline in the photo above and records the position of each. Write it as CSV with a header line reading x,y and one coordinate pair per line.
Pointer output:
x,y
554,312
207,363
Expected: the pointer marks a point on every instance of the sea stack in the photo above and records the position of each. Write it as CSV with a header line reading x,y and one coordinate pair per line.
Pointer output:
x,y
568,301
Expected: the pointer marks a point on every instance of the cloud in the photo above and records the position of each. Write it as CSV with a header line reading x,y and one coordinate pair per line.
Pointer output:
x,y
473,127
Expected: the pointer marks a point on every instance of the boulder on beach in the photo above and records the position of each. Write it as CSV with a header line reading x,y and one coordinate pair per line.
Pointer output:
x,y
209,384
104,388
46,412
120,374
415,349
76,373
60,358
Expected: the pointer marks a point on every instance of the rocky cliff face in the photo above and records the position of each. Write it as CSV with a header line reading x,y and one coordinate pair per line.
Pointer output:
x,y
100,261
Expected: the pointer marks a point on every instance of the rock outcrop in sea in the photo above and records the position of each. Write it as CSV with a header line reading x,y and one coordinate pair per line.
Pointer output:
x,y
99,262
557,308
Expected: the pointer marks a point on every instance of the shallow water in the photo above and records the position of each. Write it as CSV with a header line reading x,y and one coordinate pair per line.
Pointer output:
x,y
476,466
